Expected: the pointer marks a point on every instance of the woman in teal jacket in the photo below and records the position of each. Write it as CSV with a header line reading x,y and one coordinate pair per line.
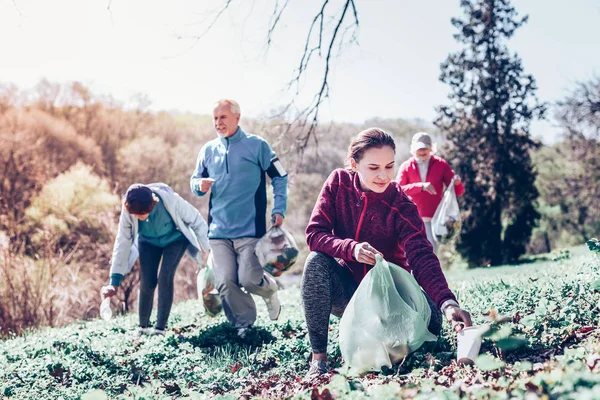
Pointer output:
x,y
159,226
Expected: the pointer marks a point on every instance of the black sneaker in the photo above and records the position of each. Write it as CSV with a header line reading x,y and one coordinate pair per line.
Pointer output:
x,y
316,368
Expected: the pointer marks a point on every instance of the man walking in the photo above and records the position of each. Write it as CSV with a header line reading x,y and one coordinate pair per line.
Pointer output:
x,y
233,168
423,178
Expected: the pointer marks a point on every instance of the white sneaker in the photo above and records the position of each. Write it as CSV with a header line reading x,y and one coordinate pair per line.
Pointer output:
x,y
273,306
144,331
157,332
242,332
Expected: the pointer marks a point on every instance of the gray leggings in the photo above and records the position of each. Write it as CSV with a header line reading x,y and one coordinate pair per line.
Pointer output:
x,y
150,258
327,287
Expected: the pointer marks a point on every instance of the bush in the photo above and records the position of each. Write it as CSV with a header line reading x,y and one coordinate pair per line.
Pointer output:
x,y
75,204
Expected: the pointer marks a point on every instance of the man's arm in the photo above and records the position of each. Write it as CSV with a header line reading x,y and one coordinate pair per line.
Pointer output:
x,y
200,173
271,164
459,188
409,188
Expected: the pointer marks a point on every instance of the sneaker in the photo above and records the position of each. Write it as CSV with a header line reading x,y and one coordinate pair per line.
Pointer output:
x,y
273,306
144,331
157,332
316,368
242,332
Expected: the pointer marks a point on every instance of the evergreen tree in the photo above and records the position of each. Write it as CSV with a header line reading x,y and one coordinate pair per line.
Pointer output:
x,y
493,102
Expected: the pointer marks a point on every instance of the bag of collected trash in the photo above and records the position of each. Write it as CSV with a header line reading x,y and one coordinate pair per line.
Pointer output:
x,y
446,223
276,251
207,290
385,320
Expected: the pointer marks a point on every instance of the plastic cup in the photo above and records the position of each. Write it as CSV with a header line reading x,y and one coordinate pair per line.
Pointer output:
x,y
105,310
469,343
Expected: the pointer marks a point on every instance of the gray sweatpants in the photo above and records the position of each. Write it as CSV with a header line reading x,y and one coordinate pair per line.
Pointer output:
x,y
150,259
327,287
237,267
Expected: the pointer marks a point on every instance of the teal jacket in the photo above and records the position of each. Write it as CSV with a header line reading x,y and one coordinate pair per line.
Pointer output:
x,y
187,220
238,197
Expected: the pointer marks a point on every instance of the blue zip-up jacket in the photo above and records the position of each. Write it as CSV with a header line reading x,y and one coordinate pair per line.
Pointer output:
x,y
238,197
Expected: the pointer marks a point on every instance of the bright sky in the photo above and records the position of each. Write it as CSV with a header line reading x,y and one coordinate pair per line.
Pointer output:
x,y
124,47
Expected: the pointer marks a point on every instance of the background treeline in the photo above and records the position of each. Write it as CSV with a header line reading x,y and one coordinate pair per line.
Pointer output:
x,y
67,155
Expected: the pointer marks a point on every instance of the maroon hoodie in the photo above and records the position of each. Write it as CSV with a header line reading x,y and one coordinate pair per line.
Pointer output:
x,y
345,215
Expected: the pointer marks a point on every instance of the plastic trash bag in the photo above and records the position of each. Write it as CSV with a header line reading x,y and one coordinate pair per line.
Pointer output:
x,y
386,319
276,251
207,290
446,221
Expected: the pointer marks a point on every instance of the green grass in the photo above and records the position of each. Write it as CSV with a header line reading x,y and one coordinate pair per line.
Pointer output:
x,y
548,345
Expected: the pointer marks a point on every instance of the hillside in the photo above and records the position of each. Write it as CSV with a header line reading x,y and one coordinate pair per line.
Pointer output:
x,y
549,345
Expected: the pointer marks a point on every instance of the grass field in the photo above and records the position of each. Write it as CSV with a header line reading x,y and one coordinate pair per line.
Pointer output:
x,y
545,343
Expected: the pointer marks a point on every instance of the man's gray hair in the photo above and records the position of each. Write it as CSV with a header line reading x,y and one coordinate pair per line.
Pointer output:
x,y
233,105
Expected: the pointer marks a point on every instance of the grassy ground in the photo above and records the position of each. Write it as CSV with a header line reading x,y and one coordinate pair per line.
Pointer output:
x,y
545,342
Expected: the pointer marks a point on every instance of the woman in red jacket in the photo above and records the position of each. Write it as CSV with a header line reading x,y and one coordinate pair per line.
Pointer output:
x,y
360,213
423,178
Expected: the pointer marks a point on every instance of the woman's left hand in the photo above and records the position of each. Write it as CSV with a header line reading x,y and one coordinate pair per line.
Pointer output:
x,y
458,317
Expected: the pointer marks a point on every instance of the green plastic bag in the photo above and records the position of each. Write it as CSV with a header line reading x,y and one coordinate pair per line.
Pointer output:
x,y
386,319
207,290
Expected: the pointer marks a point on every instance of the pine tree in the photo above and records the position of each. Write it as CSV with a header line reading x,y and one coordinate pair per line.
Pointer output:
x,y
493,102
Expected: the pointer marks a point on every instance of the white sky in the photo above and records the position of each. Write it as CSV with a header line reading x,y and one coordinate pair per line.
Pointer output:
x,y
133,47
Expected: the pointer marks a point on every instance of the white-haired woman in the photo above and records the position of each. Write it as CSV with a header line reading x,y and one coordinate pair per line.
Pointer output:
x,y
423,178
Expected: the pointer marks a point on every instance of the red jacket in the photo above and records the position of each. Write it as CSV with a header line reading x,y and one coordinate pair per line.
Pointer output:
x,y
439,174
345,215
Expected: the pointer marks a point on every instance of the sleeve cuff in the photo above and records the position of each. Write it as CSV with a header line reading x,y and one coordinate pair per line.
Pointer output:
x,y
447,304
115,279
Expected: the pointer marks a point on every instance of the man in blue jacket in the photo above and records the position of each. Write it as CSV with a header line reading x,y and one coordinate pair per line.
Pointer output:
x,y
233,167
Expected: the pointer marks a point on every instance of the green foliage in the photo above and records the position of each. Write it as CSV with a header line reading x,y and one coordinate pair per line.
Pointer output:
x,y
488,127
594,245
542,340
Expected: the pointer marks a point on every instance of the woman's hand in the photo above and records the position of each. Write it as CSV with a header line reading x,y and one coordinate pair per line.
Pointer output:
x,y
108,291
365,253
458,317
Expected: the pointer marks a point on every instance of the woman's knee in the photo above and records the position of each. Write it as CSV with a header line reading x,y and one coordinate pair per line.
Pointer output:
x,y
318,262
148,284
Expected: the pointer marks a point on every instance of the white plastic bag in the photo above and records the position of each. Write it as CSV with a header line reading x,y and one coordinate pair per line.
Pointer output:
x,y
446,221
207,290
276,251
386,319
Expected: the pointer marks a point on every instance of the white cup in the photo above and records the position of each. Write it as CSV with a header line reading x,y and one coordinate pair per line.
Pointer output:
x,y
469,343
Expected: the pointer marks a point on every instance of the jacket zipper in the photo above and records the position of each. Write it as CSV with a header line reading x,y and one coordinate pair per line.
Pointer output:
x,y
360,221
226,156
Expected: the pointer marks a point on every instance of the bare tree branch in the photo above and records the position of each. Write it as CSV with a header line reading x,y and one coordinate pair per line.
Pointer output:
x,y
275,20
313,109
17,8
318,41
213,22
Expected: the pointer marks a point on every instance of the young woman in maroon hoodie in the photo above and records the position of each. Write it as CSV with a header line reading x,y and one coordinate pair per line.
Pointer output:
x,y
362,212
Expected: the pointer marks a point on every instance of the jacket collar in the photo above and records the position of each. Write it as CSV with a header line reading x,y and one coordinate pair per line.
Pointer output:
x,y
236,137
432,160
386,195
